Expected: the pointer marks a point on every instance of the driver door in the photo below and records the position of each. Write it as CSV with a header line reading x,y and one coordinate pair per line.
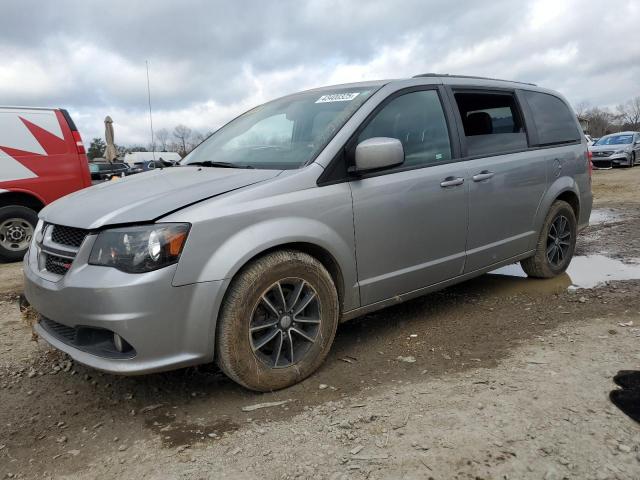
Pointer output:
x,y
410,221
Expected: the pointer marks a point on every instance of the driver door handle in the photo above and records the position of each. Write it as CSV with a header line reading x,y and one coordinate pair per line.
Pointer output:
x,y
483,175
451,182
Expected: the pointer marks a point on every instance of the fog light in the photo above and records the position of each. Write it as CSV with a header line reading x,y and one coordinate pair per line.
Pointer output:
x,y
117,341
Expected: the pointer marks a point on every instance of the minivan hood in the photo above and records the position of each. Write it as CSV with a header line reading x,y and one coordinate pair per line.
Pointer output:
x,y
147,196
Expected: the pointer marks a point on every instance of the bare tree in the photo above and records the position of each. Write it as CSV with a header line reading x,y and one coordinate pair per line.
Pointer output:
x,y
629,114
600,121
196,139
582,108
182,134
162,136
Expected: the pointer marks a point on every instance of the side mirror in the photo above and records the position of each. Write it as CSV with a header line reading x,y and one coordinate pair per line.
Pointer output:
x,y
378,152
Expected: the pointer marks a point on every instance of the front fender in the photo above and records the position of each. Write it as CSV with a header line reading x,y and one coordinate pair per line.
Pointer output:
x,y
249,242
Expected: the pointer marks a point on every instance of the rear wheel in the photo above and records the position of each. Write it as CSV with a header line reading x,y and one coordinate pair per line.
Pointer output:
x,y
277,322
556,243
17,224
632,161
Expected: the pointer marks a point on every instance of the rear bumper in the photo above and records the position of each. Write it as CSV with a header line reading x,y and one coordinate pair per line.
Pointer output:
x,y
168,327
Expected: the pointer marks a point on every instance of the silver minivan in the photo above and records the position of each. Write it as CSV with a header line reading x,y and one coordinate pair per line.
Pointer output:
x,y
306,211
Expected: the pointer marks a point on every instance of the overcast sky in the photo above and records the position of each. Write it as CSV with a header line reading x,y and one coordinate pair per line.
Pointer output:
x,y
210,60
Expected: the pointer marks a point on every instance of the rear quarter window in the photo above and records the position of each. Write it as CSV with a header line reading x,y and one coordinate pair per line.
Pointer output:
x,y
554,121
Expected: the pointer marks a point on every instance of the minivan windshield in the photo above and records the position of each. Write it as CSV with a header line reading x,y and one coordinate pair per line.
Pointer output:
x,y
286,133
614,140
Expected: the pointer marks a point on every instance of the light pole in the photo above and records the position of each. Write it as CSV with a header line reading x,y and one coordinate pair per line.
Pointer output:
x,y
153,144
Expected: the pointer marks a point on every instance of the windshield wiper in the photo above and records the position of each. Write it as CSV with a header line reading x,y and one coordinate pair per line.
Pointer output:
x,y
209,163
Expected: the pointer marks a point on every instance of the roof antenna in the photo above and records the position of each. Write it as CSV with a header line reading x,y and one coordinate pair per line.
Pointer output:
x,y
153,145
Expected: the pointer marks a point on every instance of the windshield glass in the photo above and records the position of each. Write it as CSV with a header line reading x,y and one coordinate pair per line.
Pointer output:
x,y
283,134
614,140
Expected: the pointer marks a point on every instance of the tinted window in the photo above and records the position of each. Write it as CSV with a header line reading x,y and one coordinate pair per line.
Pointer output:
x,y
492,123
417,120
553,119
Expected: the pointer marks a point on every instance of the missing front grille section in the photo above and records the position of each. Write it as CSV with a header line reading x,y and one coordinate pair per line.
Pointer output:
x,y
97,341
69,236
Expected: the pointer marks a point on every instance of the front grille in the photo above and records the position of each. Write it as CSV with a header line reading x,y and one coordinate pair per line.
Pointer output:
x,y
69,236
57,265
602,154
60,246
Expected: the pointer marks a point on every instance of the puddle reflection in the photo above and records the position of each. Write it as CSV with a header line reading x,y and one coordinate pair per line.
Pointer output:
x,y
584,272
603,215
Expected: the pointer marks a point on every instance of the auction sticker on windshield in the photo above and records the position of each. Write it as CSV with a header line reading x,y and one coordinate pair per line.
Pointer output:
x,y
338,97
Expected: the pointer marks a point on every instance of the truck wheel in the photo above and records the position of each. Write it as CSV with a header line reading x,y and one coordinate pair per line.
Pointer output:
x,y
17,224
277,322
556,243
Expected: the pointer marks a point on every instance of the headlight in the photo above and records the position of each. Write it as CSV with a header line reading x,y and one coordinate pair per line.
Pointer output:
x,y
140,249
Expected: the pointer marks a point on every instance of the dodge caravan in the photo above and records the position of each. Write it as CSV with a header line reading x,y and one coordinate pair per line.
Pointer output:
x,y
306,211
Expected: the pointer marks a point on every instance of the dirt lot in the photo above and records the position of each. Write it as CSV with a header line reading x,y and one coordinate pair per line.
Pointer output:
x,y
500,377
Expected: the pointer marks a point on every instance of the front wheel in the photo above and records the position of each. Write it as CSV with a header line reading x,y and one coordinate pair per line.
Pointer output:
x,y
277,322
17,224
556,243
632,160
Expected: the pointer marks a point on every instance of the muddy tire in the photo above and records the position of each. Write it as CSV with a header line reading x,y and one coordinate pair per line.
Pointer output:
x,y
556,243
277,322
17,224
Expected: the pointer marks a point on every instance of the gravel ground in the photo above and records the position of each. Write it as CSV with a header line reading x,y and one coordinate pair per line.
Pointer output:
x,y
499,377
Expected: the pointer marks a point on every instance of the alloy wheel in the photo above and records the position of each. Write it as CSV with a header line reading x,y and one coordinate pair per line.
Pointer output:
x,y
558,241
285,322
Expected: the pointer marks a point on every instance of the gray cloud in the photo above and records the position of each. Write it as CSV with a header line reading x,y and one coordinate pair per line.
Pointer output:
x,y
211,59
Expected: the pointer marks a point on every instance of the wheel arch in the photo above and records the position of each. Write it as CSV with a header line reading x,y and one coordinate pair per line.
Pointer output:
x,y
23,199
564,188
572,199
321,254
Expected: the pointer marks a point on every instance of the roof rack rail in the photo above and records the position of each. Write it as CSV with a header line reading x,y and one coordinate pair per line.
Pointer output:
x,y
470,76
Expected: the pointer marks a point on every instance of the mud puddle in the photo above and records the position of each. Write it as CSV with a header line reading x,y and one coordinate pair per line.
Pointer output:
x,y
604,215
175,433
584,272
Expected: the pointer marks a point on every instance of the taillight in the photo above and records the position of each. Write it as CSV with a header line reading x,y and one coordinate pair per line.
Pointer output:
x,y
78,139
590,162
74,131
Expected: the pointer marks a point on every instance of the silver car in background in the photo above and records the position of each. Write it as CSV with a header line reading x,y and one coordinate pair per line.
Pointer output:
x,y
306,211
621,148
